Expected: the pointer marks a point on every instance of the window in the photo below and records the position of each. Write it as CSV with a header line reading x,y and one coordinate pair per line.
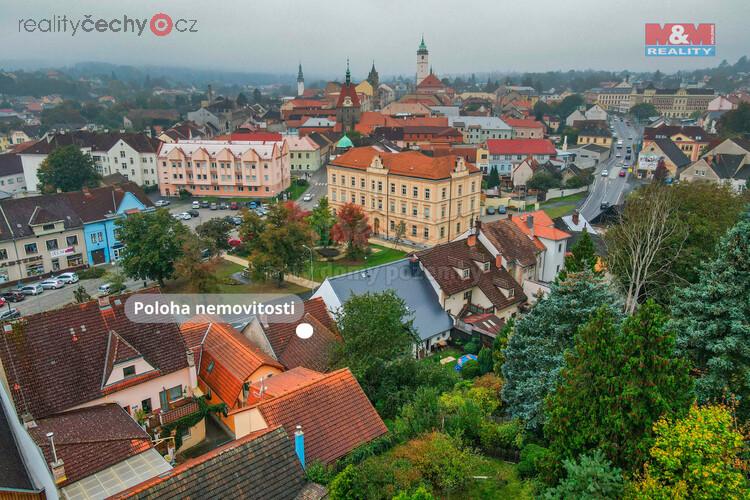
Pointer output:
x,y
427,193
403,208
380,186
210,367
128,371
3,254
458,227
466,273
175,393
445,192
442,231
414,210
146,405
51,244
426,212
467,295
393,188
30,248
426,232
48,227
362,183
415,192
333,178
362,200
403,189
414,230
486,266
354,181
460,189
393,225
559,247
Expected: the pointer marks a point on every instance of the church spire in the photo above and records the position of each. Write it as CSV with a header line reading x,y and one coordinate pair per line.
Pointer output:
x,y
300,77
348,73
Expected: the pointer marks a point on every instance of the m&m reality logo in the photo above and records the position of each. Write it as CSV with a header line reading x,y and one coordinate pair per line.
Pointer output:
x,y
684,39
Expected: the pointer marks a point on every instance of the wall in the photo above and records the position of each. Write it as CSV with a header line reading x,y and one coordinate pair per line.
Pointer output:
x,y
559,193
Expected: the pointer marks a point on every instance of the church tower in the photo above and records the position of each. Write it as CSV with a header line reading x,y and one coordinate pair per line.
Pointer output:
x,y
300,82
373,77
348,105
422,62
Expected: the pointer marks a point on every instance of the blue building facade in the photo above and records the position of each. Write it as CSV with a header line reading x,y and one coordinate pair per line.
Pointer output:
x,y
102,244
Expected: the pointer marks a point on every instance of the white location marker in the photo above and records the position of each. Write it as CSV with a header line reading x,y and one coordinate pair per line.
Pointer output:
x,y
304,330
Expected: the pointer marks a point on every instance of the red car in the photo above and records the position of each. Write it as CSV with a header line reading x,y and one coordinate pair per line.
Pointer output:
x,y
622,173
233,205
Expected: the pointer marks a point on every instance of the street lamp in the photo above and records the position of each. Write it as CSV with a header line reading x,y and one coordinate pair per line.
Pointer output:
x,y
311,261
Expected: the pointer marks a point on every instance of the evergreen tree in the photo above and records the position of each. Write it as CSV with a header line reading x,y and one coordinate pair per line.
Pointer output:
x,y
618,380
499,345
712,318
493,179
485,360
535,352
321,220
582,256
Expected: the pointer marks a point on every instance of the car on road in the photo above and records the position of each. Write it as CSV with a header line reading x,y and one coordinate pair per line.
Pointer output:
x,y
307,197
31,289
490,210
604,205
205,204
67,278
214,206
234,206
196,205
223,206
605,173
13,296
161,203
185,216
9,314
109,289
52,284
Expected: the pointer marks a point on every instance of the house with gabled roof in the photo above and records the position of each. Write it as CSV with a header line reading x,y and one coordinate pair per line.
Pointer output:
x,y
88,354
726,163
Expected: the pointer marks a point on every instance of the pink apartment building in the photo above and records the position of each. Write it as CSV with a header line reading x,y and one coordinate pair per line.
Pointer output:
x,y
224,168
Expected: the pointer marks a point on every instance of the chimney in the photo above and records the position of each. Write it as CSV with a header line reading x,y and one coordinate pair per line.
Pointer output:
x,y
299,444
530,224
414,264
498,261
472,240
28,421
576,217
191,370
57,466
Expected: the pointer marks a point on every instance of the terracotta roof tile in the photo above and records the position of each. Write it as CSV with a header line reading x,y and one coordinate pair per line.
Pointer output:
x,y
512,243
544,227
406,163
334,413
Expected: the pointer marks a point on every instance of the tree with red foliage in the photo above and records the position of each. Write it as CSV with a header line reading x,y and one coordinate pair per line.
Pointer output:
x,y
352,229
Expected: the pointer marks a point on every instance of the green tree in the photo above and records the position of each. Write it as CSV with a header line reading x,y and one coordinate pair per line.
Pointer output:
x,y
215,232
618,380
241,100
199,275
321,221
736,122
582,256
499,345
116,280
81,295
569,104
276,250
67,169
373,326
590,477
643,111
697,456
485,360
421,493
257,96
535,352
343,485
712,318
152,242
544,181
493,179
569,132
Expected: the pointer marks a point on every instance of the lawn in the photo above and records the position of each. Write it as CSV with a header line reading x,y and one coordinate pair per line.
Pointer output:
x,y
454,352
502,482
295,190
323,269
562,206
559,211
570,198
224,271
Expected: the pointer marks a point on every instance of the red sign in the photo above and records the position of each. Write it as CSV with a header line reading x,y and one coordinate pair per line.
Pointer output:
x,y
680,34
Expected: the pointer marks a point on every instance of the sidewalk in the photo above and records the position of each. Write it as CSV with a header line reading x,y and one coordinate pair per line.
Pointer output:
x,y
297,280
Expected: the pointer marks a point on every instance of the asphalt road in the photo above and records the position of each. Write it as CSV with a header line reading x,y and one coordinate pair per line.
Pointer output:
x,y
612,188
318,189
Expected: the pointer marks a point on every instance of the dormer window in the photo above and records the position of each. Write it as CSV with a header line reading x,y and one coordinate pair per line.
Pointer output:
x,y
210,367
48,227
128,371
511,292
465,273
486,266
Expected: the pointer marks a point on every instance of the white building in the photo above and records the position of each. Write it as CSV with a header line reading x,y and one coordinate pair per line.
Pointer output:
x,y
477,129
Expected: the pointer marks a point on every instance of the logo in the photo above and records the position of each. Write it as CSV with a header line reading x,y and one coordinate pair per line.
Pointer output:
x,y
694,40
160,24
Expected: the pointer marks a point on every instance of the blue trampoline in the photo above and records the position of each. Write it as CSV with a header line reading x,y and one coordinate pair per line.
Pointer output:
x,y
463,359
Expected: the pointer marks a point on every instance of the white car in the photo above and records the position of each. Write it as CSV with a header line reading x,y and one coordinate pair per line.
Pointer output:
x,y
68,278
52,284
196,205
605,173
161,203
185,216
33,289
307,197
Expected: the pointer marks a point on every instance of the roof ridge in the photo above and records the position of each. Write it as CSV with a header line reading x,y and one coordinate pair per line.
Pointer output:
x,y
325,376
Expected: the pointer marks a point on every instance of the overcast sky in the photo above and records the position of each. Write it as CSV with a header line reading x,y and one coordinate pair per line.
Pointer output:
x,y
462,36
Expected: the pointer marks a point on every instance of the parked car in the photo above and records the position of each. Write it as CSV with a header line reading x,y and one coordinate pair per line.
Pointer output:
x,y
13,296
223,206
196,205
234,206
31,289
68,278
161,203
622,173
490,210
205,204
252,205
109,289
193,212
604,205
214,206
237,221
185,216
605,173
501,209
307,197
9,314
52,284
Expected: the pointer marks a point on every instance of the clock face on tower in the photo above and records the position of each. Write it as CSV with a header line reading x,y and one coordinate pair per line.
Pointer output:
x,y
347,101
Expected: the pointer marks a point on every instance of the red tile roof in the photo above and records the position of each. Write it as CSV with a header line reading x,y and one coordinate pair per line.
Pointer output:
x,y
313,352
250,136
430,81
406,163
544,227
233,358
512,243
334,413
91,439
55,360
521,147
522,122
348,90
370,120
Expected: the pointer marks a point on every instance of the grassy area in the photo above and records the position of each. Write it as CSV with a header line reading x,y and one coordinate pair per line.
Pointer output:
x,y
296,189
560,210
570,198
323,269
449,351
224,271
502,482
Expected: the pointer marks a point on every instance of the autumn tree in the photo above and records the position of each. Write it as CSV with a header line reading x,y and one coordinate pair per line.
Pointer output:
x,y
199,274
352,229
619,379
67,169
215,232
698,456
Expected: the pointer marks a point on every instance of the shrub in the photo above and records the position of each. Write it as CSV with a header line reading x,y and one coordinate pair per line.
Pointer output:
x,y
537,461
343,485
91,273
472,347
439,460
420,493
505,436
318,472
591,476
470,369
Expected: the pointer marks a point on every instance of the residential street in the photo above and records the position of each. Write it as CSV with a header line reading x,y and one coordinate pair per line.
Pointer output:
x,y
612,188
318,189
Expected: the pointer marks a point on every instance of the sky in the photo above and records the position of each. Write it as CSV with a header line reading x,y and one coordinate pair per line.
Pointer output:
x,y
473,36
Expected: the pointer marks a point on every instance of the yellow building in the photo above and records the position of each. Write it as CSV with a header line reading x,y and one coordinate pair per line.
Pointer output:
x,y
436,199
600,136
